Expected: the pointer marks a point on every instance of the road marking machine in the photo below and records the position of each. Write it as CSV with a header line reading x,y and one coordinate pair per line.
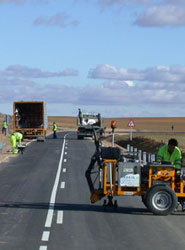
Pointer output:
x,y
121,174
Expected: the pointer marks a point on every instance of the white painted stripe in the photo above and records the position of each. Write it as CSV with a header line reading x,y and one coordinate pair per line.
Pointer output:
x,y
60,216
49,216
65,153
43,248
65,160
62,184
45,236
54,191
64,170
66,147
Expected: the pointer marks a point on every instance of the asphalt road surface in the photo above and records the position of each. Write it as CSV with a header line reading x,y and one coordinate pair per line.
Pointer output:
x,y
45,205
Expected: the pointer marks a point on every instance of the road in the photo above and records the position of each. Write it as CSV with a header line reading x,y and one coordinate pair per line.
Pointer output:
x,y
45,205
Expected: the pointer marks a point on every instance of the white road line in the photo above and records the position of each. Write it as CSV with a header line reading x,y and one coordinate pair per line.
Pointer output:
x,y
54,191
45,236
60,217
28,143
66,147
65,160
43,248
62,184
65,153
64,170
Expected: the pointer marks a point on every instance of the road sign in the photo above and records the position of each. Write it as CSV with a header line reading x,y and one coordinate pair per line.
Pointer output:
x,y
131,124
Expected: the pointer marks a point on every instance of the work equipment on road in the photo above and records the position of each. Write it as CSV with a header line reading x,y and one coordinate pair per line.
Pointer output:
x,y
161,188
21,148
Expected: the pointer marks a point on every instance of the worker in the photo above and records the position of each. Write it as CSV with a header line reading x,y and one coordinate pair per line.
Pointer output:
x,y
54,130
4,128
170,153
80,116
15,140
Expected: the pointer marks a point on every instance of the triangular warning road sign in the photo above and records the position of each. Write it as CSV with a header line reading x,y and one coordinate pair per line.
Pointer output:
x,y
131,123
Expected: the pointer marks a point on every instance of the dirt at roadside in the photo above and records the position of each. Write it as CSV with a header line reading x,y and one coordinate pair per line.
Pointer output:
x,y
144,144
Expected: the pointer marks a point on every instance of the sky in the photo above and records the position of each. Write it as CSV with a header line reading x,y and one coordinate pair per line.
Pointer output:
x,y
120,58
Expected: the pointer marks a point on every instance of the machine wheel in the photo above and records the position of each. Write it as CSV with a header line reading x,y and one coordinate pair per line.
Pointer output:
x,y
161,200
143,198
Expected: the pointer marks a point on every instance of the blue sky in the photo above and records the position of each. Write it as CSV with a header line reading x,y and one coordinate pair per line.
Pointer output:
x,y
122,58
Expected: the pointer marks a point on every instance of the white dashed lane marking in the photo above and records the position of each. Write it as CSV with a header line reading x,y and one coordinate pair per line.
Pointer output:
x,y
62,184
43,248
45,236
60,216
54,191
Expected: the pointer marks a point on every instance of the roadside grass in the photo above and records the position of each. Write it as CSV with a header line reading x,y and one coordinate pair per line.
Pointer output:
x,y
163,138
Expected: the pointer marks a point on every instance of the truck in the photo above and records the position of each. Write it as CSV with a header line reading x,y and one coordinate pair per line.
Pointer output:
x,y
89,122
30,119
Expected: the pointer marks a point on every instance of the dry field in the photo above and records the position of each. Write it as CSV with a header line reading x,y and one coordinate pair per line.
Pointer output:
x,y
150,124
142,124
63,122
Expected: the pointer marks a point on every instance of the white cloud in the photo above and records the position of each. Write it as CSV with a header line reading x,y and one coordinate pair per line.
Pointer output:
x,y
130,83
61,20
106,71
27,72
155,74
153,13
162,15
134,96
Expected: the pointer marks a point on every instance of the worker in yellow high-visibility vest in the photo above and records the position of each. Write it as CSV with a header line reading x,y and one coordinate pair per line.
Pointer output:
x,y
4,127
54,130
170,153
15,140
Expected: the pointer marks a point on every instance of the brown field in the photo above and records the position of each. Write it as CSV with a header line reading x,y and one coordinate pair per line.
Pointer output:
x,y
63,122
150,123
142,124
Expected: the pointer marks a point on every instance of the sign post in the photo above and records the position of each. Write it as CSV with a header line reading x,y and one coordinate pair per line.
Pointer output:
x,y
113,126
131,124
